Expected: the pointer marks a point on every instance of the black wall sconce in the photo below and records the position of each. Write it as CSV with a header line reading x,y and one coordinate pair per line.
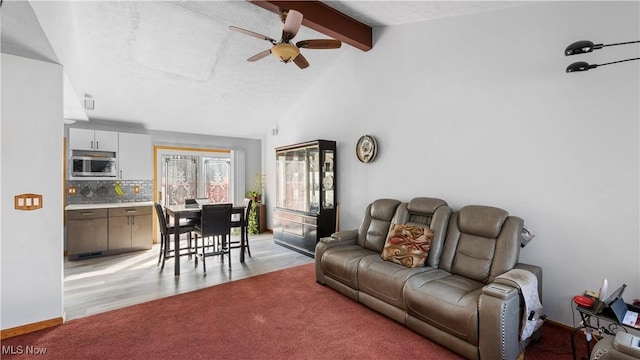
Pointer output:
x,y
585,46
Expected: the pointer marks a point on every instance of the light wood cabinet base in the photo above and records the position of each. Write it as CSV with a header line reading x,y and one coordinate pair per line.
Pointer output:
x,y
102,232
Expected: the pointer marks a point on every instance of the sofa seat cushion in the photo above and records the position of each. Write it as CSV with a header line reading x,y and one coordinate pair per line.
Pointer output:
x,y
341,263
445,301
385,280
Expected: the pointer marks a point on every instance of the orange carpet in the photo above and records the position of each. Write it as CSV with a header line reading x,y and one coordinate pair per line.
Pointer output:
x,y
279,315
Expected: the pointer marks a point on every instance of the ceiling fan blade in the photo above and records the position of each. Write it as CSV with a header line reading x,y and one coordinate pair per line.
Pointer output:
x,y
259,56
301,61
291,25
319,44
251,33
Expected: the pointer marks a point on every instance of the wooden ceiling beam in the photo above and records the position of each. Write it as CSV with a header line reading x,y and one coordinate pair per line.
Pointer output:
x,y
326,20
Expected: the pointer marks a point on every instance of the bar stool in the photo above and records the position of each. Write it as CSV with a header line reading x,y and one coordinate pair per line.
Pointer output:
x,y
245,226
165,232
215,230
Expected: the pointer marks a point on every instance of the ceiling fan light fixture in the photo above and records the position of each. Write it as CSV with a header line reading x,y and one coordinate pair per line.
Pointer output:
x,y
285,52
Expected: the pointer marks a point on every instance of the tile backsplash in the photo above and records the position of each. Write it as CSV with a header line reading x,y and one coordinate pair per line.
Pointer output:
x,y
103,191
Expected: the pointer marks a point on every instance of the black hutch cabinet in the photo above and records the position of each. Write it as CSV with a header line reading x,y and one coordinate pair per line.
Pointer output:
x,y
305,209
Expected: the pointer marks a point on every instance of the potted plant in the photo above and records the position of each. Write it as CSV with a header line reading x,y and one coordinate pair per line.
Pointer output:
x,y
256,196
253,227
258,186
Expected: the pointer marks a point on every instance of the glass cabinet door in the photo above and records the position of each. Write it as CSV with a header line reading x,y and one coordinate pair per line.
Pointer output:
x,y
314,180
295,180
328,181
305,178
280,184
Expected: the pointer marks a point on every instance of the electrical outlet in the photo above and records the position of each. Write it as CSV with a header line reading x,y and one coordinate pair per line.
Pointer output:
x,y
72,190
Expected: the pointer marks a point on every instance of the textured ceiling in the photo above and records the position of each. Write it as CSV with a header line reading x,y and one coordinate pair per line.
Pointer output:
x,y
175,66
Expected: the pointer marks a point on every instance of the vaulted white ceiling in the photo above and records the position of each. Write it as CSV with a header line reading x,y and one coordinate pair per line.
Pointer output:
x,y
175,66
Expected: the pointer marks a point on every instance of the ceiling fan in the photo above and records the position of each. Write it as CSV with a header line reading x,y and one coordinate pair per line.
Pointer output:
x,y
284,50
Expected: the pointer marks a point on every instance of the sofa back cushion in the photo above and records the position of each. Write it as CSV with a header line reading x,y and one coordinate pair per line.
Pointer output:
x,y
427,212
375,225
482,242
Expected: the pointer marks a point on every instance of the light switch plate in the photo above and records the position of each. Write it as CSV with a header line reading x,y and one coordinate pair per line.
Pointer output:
x,y
27,202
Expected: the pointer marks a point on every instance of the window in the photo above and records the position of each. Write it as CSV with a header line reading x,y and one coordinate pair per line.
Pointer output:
x,y
195,174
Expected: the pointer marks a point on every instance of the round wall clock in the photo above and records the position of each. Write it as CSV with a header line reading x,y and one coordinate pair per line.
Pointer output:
x,y
366,149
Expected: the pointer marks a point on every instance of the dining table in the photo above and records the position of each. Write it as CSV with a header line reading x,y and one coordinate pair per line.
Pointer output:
x,y
183,211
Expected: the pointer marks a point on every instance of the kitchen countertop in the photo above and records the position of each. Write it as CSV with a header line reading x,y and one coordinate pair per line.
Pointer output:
x,y
107,205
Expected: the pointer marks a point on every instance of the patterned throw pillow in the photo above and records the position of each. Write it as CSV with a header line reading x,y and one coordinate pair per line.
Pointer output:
x,y
407,245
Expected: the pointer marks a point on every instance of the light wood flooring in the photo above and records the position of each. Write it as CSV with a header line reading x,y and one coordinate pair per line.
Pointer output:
x,y
97,285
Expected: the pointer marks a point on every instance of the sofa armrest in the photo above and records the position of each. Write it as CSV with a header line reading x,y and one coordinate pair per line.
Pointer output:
x,y
344,236
616,347
500,291
499,322
340,238
504,295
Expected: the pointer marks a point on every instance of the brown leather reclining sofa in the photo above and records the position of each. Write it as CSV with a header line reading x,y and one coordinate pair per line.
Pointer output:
x,y
453,299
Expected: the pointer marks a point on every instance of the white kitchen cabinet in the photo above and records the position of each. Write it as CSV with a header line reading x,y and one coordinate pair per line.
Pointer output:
x,y
96,140
135,157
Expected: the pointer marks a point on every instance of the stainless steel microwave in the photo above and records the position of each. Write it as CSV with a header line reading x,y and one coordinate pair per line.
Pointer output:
x,y
90,166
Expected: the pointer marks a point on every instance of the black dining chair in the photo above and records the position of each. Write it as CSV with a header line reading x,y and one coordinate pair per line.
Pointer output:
x,y
246,203
166,230
215,230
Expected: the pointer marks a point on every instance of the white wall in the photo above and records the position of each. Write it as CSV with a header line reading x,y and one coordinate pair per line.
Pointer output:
x,y
31,252
58,21
478,109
